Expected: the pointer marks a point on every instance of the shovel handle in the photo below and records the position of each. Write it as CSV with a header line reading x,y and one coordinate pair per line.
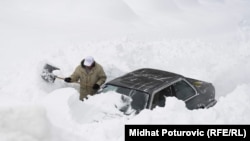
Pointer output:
x,y
73,82
60,77
64,78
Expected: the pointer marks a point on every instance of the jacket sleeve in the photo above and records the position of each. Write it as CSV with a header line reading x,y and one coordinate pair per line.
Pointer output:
x,y
101,77
76,75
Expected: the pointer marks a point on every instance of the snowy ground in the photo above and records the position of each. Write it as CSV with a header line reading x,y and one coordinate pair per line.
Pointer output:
x,y
203,39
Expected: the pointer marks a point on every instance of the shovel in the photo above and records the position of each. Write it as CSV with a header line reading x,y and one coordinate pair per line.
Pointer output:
x,y
47,73
48,76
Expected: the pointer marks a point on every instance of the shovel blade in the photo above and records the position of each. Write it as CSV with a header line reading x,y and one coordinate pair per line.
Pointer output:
x,y
47,73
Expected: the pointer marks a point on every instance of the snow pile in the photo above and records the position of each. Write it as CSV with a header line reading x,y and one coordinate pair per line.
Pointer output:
x,y
25,123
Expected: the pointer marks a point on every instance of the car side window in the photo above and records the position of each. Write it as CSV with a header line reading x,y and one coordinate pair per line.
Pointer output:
x,y
124,91
139,100
159,98
183,90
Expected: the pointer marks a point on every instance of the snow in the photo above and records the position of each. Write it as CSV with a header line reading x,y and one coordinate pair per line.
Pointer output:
x,y
204,39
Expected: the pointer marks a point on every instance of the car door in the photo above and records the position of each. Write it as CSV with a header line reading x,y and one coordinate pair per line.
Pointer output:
x,y
181,89
159,98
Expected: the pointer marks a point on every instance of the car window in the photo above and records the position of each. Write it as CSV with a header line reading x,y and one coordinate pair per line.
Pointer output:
x,y
120,90
139,99
159,98
108,88
183,90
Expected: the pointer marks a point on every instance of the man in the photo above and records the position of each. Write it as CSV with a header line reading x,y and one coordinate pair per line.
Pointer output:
x,y
91,76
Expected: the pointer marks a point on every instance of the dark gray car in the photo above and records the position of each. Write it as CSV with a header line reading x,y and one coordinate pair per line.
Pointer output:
x,y
147,88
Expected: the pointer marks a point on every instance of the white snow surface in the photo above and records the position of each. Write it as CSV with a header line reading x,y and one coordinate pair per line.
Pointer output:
x,y
203,39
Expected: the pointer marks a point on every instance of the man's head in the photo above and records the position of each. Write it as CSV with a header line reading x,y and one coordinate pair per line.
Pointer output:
x,y
88,61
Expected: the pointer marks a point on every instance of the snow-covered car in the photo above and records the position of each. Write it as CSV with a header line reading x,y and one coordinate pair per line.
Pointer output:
x,y
148,88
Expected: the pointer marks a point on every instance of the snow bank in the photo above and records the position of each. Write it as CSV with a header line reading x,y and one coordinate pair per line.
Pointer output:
x,y
24,123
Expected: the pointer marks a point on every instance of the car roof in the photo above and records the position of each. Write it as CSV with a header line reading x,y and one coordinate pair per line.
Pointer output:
x,y
145,79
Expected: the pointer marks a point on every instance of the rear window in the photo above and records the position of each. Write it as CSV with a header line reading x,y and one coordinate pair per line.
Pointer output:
x,y
183,90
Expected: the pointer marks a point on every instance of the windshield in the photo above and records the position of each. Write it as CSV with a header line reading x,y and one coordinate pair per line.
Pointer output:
x,y
138,99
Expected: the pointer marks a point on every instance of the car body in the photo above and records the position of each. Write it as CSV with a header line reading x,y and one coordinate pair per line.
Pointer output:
x,y
148,88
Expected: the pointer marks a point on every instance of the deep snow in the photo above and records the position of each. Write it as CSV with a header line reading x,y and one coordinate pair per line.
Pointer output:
x,y
203,39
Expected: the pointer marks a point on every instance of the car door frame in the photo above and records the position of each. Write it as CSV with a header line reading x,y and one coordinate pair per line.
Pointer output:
x,y
173,93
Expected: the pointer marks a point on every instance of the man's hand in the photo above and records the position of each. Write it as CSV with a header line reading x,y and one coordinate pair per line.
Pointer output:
x,y
96,86
67,79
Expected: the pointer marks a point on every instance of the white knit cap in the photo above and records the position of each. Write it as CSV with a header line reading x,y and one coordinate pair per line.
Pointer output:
x,y
88,61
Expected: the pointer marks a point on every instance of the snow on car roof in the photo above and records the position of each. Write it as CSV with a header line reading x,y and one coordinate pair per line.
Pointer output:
x,y
145,79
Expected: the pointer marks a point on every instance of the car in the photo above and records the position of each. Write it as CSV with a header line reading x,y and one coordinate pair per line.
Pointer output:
x,y
147,88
